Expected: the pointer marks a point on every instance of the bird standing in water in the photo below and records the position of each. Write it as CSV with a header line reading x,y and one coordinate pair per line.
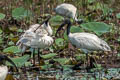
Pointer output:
x,y
36,37
86,41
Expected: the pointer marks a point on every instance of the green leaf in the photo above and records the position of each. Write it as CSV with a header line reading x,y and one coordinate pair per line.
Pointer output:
x,y
19,30
28,2
118,54
65,36
59,41
98,65
80,56
118,15
75,29
57,76
20,13
62,61
12,49
55,20
118,39
47,66
1,40
20,61
2,16
91,1
11,43
106,10
67,67
98,27
48,56
28,64
1,31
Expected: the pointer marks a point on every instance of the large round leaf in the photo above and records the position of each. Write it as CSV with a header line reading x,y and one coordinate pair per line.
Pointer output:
x,y
59,42
98,27
12,49
75,29
19,13
20,61
62,61
55,20
48,56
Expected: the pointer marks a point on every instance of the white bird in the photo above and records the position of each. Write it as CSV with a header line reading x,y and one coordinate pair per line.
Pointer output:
x,y
37,37
69,11
86,41
3,67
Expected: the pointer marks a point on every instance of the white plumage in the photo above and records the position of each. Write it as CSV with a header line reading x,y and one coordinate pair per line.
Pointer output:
x,y
36,38
3,67
85,41
67,10
88,42
3,72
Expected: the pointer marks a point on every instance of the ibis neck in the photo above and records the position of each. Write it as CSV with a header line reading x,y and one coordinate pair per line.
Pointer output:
x,y
68,28
49,30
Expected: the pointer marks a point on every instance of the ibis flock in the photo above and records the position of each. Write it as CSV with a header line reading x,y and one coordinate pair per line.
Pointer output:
x,y
39,36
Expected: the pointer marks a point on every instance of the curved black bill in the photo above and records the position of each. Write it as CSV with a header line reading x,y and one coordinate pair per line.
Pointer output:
x,y
4,57
46,22
60,28
67,21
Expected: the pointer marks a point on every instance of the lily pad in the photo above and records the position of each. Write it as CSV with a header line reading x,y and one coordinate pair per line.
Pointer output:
x,y
48,56
12,49
98,27
59,41
55,20
20,61
75,29
62,61
20,13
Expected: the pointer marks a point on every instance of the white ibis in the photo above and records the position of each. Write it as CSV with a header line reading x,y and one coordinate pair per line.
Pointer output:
x,y
86,41
69,11
37,37
3,67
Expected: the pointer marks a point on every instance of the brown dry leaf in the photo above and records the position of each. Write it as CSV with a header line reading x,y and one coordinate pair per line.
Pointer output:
x,y
9,77
13,28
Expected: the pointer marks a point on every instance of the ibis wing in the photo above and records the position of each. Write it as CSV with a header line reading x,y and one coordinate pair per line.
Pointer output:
x,y
26,38
86,43
104,45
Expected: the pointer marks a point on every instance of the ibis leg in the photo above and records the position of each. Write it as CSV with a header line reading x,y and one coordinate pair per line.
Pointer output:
x,y
92,61
87,59
34,56
87,66
38,56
